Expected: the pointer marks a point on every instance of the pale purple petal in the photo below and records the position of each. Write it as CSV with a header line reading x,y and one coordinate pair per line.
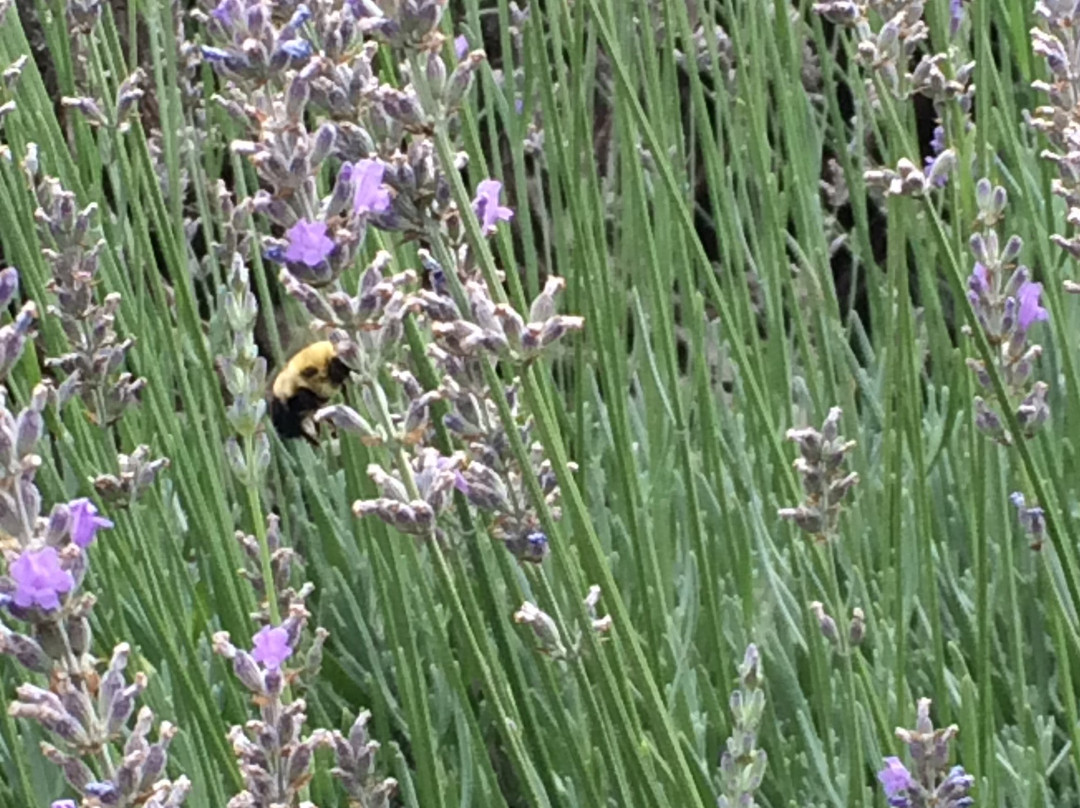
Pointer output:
x,y
308,243
271,647
85,522
487,207
895,777
1030,310
39,579
371,195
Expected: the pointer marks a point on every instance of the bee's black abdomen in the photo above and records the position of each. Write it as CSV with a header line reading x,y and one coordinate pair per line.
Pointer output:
x,y
285,421
288,415
338,372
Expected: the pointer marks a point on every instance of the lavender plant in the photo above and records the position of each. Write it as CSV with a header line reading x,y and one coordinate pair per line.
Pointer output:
x,y
47,630
274,757
820,465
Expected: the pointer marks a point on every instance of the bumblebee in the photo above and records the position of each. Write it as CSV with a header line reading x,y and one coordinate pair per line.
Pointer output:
x,y
306,383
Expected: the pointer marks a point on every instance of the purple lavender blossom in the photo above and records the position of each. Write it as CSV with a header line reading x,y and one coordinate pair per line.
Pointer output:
x,y
85,522
9,286
977,280
487,207
224,12
371,195
270,646
63,804
39,579
308,243
895,778
461,47
1030,310
956,16
937,142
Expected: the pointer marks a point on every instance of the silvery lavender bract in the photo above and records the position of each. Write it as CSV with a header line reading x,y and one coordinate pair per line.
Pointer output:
x,y
1032,520
742,764
96,357
115,115
283,560
1006,305
496,329
826,485
1057,40
9,81
929,783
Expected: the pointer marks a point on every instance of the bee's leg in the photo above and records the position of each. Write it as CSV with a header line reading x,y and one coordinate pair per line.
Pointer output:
x,y
310,432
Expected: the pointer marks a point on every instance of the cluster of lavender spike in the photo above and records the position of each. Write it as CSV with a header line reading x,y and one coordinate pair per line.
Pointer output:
x,y
367,329
44,618
1057,40
304,88
274,756
1006,304
305,91
942,77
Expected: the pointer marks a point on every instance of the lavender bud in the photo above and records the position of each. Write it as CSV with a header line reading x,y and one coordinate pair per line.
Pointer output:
x,y
825,623
76,773
9,286
124,705
345,417
857,628
26,651
248,672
